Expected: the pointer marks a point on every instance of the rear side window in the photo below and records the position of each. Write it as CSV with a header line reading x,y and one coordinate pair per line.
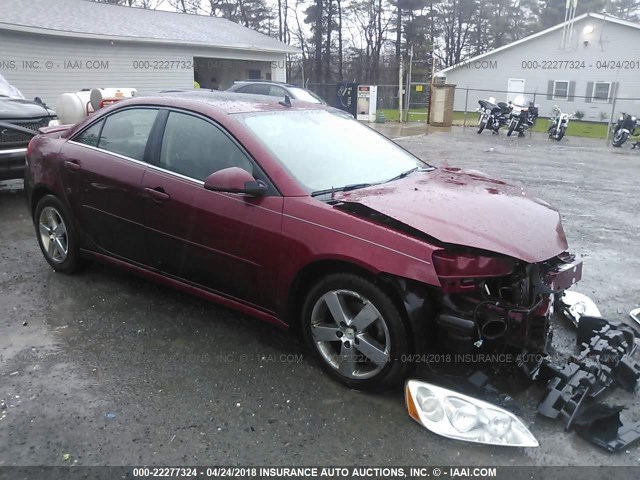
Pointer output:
x,y
127,132
277,91
91,135
256,89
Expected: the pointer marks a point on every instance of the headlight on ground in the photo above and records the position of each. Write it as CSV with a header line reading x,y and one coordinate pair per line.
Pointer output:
x,y
454,415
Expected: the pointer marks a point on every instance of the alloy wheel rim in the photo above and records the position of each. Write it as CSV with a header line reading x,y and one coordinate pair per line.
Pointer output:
x,y
350,333
53,235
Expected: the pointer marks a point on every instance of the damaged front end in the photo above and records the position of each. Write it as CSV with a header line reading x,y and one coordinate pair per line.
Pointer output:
x,y
498,303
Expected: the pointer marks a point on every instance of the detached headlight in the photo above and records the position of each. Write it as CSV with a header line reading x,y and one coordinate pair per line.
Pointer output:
x,y
54,123
578,304
454,415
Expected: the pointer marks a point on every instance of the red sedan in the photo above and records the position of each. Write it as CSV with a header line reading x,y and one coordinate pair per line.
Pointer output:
x,y
301,216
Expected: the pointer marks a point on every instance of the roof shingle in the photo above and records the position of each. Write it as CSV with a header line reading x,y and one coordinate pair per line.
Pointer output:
x,y
92,19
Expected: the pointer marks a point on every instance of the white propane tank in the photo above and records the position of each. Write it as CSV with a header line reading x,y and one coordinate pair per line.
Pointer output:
x,y
73,107
109,95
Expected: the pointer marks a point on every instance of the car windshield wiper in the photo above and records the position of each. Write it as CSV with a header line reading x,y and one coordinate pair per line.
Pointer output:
x,y
409,172
346,188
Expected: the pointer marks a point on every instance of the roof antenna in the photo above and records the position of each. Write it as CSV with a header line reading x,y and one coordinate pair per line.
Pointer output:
x,y
286,102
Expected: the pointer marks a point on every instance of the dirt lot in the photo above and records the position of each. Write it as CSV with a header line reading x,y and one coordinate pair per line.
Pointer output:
x,y
114,370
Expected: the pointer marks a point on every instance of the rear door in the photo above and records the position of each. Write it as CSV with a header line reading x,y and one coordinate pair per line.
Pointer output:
x,y
223,242
104,165
515,87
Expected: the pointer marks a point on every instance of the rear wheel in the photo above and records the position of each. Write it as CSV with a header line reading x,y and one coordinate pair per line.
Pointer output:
x,y
619,138
56,235
356,332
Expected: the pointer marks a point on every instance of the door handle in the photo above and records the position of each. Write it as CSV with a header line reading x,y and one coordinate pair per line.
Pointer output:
x,y
71,165
158,194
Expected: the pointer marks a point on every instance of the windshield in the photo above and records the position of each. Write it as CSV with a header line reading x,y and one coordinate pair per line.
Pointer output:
x,y
305,95
7,90
325,150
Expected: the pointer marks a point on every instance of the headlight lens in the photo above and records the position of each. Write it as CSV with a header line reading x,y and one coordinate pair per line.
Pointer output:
x,y
454,415
578,305
54,123
430,405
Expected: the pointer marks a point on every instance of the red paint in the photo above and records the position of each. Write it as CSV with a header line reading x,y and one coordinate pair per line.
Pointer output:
x,y
247,252
456,208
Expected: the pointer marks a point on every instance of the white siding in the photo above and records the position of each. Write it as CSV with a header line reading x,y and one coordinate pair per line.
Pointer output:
x,y
39,64
609,42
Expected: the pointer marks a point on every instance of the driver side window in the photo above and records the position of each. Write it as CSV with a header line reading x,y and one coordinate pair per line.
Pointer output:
x,y
196,148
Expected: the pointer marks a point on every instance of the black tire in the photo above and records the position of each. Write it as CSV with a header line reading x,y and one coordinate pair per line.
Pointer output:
x,y
560,134
50,211
512,126
362,372
481,124
619,138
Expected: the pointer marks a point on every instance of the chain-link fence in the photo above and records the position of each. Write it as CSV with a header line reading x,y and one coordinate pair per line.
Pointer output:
x,y
415,103
387,94
592,116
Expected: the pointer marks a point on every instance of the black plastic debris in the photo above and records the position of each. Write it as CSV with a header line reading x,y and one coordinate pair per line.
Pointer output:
x,y
605,358
601,424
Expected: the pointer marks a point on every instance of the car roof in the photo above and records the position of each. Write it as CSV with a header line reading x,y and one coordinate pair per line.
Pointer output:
x,y
230,102
267,82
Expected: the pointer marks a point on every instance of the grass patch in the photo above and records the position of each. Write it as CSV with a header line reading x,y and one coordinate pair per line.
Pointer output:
x,y
414,115
576,128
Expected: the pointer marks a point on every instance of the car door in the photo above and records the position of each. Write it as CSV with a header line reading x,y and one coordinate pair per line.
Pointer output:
x,y
103,170
215,240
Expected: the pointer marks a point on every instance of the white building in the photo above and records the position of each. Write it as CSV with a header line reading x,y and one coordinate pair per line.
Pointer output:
x,y
595,70
48,47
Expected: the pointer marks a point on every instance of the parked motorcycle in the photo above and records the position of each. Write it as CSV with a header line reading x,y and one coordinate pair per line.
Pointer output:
x,y
625,127
523,115
559,123
492,115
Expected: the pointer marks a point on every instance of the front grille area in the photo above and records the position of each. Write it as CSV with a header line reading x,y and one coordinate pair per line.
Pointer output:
x,y
10,138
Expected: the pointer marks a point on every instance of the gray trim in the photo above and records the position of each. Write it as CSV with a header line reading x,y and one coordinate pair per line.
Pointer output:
x,y
589,93
572,91
13,150
613,91
139,162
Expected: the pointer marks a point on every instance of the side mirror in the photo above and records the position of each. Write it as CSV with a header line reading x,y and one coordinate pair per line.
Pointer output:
x,y
235,180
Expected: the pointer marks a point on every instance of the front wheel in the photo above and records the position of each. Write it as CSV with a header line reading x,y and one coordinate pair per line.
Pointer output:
x,y
512,126
482,123
560,134
56,235
619,138
356,332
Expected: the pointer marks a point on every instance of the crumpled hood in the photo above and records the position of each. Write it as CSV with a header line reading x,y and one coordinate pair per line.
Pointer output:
x,y
17,109
470,209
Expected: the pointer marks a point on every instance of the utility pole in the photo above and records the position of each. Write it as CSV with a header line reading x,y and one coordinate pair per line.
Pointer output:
x,y
400,75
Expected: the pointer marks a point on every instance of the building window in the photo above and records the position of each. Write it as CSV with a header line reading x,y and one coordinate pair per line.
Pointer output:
x,y
601,91
560,89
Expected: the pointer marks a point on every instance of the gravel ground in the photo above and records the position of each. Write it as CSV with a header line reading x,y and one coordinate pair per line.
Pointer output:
x,y
104,368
